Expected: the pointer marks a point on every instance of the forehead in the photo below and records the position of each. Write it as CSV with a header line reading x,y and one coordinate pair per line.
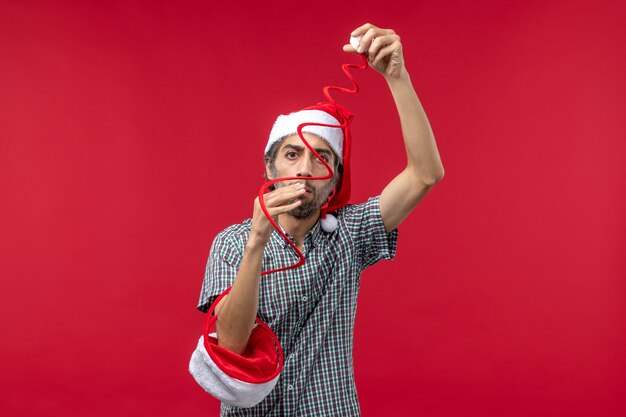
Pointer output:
x,y
313,140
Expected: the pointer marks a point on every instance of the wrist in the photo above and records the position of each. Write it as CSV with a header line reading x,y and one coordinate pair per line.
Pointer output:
x,y
401,78
256,242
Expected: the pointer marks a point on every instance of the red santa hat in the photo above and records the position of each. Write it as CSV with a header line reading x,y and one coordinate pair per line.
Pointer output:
x,y
238,380
331,122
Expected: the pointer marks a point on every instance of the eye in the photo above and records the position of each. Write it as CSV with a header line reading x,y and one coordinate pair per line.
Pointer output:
x,y
324,157
291,155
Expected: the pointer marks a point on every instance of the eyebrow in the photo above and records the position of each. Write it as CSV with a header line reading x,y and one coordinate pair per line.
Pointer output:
x,y
300,148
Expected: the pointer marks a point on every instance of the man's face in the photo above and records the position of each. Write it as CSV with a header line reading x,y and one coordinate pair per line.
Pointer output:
x,y
294,159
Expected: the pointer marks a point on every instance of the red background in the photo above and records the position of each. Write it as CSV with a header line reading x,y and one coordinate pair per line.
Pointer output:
x,y
130,134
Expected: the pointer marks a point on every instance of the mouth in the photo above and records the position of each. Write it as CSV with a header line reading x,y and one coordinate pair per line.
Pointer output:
x,y
307,188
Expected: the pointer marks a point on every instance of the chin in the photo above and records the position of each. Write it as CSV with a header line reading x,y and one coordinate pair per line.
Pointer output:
x,y
305,211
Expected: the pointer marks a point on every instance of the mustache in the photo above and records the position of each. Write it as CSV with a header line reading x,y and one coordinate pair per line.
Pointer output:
x,y
308,185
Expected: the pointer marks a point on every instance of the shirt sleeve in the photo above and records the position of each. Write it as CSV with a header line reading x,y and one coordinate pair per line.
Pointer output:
x,y
221,270
365,225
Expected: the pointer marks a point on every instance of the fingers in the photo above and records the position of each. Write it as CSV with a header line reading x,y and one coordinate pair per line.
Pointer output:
x,y
279,201
361,29
283,199
383,46
369,32
349,48
276,211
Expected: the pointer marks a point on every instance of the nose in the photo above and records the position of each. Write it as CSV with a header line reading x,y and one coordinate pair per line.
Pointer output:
x,y
305,167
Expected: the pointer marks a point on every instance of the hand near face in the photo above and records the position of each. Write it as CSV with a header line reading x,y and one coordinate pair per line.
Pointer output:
x,y
382,47
279,201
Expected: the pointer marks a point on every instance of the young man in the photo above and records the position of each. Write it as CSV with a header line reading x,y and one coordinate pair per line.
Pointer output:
x,y
312,308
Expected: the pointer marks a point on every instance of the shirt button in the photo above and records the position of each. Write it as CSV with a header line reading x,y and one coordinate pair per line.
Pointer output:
x,y
304,298
289,387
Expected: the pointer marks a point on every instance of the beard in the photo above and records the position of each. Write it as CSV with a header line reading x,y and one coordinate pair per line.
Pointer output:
x,y
320,195
308,208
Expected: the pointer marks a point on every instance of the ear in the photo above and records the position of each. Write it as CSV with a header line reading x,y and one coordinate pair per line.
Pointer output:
x,y
268,171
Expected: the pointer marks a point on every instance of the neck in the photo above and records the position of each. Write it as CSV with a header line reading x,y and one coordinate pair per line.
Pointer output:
x,y
298,228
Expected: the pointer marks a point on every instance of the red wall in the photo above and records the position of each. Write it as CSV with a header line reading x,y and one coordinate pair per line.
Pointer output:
x,y
131,134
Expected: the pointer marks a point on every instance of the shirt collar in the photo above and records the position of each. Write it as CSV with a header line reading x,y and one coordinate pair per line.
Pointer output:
x,y
311,239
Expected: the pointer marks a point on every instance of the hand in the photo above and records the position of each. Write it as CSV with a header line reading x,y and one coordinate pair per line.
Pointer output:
x,y
277,202
382,47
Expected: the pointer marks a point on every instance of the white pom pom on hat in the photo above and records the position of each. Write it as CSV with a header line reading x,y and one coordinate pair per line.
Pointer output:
x,y
355,41
329,223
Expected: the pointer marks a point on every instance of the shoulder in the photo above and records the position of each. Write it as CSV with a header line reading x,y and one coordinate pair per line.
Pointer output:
x,y
233,237
236,230
371,206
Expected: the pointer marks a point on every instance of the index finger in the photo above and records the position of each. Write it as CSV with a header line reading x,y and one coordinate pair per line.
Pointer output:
x,y
362,29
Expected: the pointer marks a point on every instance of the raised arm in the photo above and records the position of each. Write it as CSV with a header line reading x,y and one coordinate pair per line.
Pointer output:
x,y
424,168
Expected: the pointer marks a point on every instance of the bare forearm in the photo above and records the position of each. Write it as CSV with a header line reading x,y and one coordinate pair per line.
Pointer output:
x,y
423,158
237,312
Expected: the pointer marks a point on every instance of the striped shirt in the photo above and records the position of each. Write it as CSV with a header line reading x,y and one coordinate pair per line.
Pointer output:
x,y
311,308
